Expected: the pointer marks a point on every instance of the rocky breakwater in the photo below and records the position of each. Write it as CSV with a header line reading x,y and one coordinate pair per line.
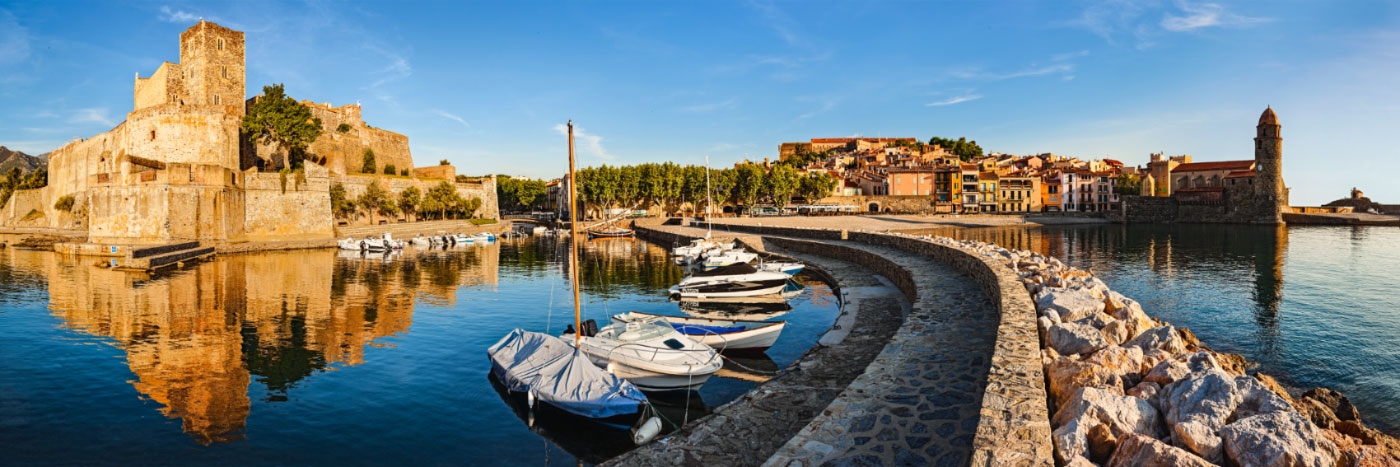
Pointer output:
x,y
1128,389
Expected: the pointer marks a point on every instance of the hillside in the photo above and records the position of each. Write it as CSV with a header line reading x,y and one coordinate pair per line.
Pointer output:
x,y
25,162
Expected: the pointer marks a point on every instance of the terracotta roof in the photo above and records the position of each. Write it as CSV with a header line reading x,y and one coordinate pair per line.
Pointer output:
x,y
1222,165
1240,174
1268,117
1113,162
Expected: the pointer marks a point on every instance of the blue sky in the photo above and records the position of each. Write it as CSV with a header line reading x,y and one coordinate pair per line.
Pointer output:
x,y
488,84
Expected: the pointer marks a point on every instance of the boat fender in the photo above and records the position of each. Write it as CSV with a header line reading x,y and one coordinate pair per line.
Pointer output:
x,y
648,430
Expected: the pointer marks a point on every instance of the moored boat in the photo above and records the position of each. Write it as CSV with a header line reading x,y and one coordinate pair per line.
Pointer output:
x,y
650,354
732,281
722,334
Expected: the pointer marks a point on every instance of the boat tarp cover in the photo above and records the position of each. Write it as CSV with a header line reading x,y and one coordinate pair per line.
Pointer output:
x,y
700,330
559,374
730,270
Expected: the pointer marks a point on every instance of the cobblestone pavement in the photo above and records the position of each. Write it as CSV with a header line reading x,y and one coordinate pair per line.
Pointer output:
x,y
918,402
747,430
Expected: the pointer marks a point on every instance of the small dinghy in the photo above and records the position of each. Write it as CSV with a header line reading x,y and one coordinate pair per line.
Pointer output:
x,y
615,232
721,334
790,269
350,244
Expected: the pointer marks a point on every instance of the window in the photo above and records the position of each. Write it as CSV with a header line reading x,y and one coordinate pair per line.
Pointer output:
x,y
221,44
216,99
153,135
223,71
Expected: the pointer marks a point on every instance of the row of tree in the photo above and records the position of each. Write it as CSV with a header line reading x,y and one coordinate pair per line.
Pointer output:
x,y
514,194
16,179
440,202
672,185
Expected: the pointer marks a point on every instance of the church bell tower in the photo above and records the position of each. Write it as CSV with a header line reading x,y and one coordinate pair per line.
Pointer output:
x,y
1271,195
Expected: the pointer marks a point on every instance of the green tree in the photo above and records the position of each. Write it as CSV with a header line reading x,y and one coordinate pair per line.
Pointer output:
x,y
343,128
964,149
276,118
782,181
64,203
368,165
409,199
693,186
816,185
374,200
440,198
341,205
1129,184
748,185
444,162
404,172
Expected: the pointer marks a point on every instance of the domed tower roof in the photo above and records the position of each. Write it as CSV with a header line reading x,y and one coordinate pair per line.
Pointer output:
x,y
1269,117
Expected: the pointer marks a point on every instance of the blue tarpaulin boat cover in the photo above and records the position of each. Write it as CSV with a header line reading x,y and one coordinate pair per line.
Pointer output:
x,y
700,330
560,375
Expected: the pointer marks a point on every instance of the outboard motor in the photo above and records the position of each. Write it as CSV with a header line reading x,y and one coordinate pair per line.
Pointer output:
x,y
590,328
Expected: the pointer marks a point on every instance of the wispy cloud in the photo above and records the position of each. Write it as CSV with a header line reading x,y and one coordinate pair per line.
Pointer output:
x,y
14,39
711,106
1204,15
177,16
782,24
824,105
587,143
976,73
954,100
1069,56
396,68
449,116
92,115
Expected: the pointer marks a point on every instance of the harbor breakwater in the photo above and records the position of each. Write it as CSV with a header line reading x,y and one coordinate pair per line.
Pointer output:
x,y
1125,388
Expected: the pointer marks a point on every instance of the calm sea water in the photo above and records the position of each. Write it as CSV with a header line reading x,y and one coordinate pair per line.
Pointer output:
x,y
323,357
1314,306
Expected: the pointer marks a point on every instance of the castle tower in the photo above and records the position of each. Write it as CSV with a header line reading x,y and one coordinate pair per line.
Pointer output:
x,y
1271,197
211,57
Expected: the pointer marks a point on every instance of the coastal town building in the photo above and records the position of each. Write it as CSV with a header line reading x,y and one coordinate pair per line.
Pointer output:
x,y
1243,191
179,168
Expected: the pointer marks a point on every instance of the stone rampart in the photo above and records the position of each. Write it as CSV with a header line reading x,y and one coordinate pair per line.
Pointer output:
x,y
283,207
1014,426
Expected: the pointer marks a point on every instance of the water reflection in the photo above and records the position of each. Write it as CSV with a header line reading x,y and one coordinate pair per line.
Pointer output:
x,y
196,338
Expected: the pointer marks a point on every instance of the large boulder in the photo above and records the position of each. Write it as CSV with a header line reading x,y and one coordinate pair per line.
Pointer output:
x,y
1334,401
1122,414
1137,320
1075,338
1113,368
1116,332
1181,367
1071,304
1144,451
1160,337
1196,408
1283,438
1256,399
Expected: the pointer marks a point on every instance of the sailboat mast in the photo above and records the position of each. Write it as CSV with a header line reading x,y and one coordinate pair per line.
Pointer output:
x,y
709,225
573,237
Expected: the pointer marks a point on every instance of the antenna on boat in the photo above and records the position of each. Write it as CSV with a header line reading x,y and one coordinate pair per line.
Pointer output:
x,y
573,235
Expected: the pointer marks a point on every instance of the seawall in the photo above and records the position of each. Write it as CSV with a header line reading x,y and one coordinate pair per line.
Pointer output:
x,y
1009,418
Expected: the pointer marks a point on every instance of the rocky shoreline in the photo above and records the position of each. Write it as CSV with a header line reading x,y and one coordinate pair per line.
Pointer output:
x,y
1128,389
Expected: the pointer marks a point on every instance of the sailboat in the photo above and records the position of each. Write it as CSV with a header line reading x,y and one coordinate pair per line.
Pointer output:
x,y
563,374
648,353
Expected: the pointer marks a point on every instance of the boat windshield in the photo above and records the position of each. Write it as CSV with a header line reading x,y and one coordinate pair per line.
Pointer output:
x,y
642,331
730,270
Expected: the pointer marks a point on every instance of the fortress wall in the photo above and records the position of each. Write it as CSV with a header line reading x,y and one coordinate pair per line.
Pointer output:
x,y
175,133
160,86
159,213
302,210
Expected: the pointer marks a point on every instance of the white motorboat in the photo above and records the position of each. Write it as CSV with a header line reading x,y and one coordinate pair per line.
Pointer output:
x,y
484,237
373,244
350,243
735,280
723,334
390,243
421,241
460,239
650,354
791,269
727,258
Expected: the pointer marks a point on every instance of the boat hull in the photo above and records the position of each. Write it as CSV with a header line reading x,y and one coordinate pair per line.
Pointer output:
x,y
756,335
731,289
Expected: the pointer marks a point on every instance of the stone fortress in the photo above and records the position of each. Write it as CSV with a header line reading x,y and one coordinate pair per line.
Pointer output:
x,y
1232,192
178,168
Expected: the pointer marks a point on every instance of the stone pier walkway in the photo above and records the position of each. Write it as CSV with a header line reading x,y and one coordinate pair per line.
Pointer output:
x,y
917,402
